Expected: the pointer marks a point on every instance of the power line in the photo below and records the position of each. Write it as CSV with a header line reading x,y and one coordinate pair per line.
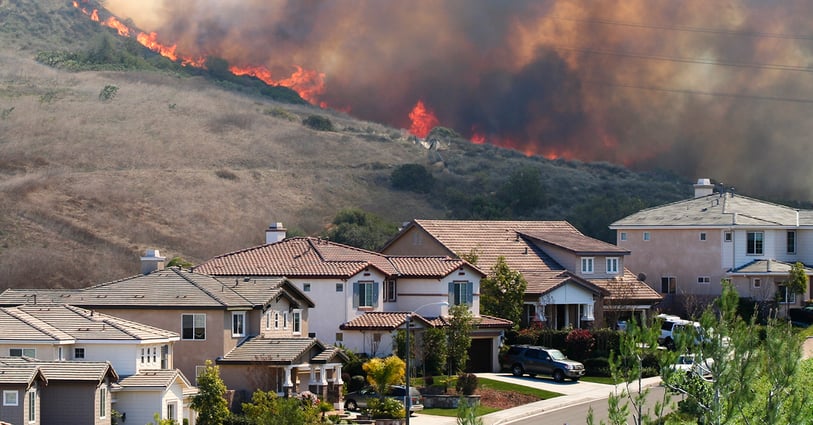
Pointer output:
x,y
686,28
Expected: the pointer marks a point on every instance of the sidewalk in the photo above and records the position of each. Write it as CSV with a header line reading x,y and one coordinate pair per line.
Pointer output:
x,y
574,393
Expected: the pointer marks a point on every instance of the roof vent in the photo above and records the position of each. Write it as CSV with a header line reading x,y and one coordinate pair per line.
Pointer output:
x,y
702,188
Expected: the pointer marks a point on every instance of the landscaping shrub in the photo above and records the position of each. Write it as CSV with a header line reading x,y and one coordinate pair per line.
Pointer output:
x,y
466,383
356,383
579,344
606,340
597,366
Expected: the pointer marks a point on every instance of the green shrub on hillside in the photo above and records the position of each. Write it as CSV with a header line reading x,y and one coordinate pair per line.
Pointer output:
x,y
412,177
318,122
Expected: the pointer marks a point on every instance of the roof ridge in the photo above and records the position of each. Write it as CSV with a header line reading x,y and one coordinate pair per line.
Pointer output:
x,y
35,322
100,317
204,290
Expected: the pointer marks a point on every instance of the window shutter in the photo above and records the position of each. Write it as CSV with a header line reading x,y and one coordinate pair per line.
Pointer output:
x,y
451,293
470,293
375,294
355,295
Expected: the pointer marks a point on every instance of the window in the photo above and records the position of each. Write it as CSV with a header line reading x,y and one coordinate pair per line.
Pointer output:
x,y
791,241
171,412
461,293
60,353
143,355
103,402
587,265
194,326
268,320
306,287
754,243
668,284
784,294
612,265
276,320
32,405
238,323
285,320
702,236
727,236
757,282
339,287
389,290
646,236
339,337
19,352
622,236
297,322
365,294
199,370
10,398
78,353
703,280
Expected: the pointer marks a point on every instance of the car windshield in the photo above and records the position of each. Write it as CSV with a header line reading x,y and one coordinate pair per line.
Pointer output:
x,y
556,355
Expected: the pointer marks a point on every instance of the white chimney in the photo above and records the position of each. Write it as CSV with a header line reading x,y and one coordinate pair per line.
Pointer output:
x,y
275,233
703,188
152,261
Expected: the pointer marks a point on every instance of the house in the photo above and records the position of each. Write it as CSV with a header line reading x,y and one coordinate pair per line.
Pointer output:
x,y
77,392
346,283
72,345
211,319
685,249
573,280
21,386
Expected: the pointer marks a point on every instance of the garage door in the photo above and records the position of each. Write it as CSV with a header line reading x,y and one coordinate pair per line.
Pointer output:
x,y
480,354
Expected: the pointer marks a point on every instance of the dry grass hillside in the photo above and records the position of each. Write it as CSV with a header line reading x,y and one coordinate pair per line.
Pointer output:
x,y
95,167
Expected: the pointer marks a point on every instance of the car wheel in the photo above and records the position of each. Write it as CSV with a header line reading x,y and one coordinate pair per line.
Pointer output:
x,y
516,370
350,405
558,375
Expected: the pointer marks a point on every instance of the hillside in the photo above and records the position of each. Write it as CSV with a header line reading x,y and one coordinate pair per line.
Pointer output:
x,y
183,164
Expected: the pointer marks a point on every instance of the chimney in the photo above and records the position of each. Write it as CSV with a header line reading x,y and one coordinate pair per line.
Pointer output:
x,y
152,261
275,233
703,188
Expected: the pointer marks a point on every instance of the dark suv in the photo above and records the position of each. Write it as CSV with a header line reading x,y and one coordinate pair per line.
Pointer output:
x,y
534,360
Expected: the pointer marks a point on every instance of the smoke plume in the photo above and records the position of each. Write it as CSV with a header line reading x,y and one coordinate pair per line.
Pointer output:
x,y
705,88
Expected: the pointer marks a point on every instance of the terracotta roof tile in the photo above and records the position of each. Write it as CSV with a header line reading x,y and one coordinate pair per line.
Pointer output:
x,y
382,320
627,287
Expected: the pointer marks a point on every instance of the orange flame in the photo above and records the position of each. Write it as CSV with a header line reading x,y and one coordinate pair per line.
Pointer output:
x,y
309,84
150,41
423,120
94,16
478,139
114,23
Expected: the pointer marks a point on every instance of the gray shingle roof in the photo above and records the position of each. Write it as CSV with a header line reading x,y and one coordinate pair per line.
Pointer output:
x,y
66,370
717,210
19,374
275,351
154,379
767,267
66,323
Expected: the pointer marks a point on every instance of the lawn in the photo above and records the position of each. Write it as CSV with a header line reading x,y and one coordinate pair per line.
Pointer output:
x,y
498,395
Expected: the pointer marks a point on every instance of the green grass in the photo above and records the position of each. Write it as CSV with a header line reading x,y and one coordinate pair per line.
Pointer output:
x,y
436,411
505,386
598,379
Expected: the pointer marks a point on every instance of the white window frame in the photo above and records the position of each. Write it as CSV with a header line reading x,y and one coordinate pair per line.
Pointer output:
x,y
339,337
268,320
172,411
390,287
647,236
102,403
32,405
622,236
276,320
199,370
756,282
588,265
238,323
613,265
340,287
284,320
11,398
704,280
24,352
790,296
761,243
728,236
791,249
296,322
460,292
703,236
194,326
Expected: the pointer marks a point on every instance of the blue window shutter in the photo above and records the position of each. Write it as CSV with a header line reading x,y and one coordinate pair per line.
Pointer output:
x,y
451,293
375,294
470,293
355,295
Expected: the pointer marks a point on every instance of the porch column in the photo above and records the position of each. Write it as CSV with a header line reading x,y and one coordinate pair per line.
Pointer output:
x,y
322,375
313,380
567,315
337,370
288,383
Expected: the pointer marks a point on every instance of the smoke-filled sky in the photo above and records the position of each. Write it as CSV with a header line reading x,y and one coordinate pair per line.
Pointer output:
x,y
719,89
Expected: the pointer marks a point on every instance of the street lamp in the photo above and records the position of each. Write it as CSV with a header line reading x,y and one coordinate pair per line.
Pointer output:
x,y
408,401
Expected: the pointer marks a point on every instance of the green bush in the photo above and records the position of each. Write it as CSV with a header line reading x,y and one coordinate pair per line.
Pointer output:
x,y
580,343
412,177
356,383
597,366
318,122
607,341
466,383
386,408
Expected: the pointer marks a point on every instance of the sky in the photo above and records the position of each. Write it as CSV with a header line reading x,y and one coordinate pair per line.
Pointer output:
x,y
713,89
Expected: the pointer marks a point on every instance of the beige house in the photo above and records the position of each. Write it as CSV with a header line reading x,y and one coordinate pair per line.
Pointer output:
x,y
685,249
573,280
211,319
348,283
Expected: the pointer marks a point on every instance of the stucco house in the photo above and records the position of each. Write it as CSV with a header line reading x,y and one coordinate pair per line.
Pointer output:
x,y
212,319
573,280
685,249
346,283
72,345
21,386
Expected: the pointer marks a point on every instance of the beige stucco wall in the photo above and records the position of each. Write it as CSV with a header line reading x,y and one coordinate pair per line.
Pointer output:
x,y
416,241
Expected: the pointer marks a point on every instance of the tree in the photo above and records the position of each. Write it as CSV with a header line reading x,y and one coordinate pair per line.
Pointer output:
x,y
360,229
798,279
461,324
381,374
412,177
523,191
212,408
502,292
435,351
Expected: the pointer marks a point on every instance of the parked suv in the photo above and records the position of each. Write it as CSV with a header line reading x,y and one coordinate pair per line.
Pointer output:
x,y
534,360
673,325
358,399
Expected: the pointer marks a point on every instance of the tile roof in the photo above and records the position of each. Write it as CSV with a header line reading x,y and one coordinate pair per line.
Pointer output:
x,y
576,243
627,288
19,374
67,370
168,288
767,267
64,323
389,321
313,257
154,379
483,322
279,351
717,210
